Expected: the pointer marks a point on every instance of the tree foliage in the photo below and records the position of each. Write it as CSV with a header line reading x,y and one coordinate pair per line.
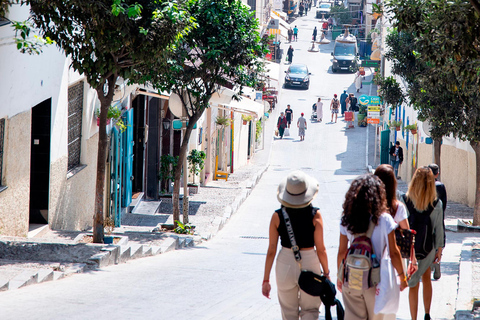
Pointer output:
x,y
447,49
105,40
222,50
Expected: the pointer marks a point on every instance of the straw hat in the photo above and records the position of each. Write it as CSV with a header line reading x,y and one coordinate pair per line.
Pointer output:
x,y
297,190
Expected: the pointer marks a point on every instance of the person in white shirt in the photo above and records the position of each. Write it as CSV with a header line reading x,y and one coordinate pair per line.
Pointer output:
x,y
365,201
319,109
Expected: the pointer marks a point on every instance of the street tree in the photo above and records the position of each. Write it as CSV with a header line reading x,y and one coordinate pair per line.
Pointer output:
x,y
447,34
425,88
222,51
105,40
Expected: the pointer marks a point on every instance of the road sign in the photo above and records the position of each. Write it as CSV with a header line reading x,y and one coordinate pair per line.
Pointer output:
x,y
373,120
370,63
273,24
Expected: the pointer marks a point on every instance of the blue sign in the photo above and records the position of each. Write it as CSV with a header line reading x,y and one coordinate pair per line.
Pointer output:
x,y
177,124
369,100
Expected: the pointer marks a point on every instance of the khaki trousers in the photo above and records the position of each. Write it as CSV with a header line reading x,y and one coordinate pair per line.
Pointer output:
x,y
294,302
359,305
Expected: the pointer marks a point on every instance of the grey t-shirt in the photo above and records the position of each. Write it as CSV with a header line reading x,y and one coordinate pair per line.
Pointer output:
x,y
302,123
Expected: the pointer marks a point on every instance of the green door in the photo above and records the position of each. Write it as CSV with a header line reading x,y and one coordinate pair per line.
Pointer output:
x,y
385,147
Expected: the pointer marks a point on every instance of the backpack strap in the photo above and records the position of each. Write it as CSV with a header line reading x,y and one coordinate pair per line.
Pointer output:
x,y
371,226
291,235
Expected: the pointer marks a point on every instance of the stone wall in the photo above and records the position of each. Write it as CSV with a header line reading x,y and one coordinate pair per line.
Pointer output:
x,y
14,208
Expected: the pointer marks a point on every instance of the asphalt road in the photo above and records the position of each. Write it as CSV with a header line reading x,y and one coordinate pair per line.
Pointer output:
x,y
222,279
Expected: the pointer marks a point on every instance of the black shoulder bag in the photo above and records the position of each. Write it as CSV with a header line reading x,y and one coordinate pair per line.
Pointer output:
x,y
312,283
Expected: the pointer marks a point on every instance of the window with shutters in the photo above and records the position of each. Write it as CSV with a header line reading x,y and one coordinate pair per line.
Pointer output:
x,y
252,4
75,111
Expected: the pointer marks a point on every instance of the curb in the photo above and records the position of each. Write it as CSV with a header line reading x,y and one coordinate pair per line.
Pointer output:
x,y
108,255
464,303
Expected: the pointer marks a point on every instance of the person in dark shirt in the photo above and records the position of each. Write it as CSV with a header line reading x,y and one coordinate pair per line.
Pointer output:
x,y
295,194
442,195
289,115
396,157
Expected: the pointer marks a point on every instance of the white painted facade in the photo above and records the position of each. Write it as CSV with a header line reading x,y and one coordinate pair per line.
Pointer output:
x,y
29,80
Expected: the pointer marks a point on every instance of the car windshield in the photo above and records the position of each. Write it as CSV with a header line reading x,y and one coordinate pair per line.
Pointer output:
x,y
298,69
344,49
325,6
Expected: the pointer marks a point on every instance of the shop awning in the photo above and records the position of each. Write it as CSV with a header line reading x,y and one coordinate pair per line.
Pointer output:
x,y
221,96
246,106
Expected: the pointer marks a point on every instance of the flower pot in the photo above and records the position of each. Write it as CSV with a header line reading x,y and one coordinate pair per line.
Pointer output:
x,y
192,189
108,239
98,122
244,122
414,131
397,128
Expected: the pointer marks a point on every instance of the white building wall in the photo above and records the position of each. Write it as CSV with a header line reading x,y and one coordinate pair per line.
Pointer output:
x,y
28,81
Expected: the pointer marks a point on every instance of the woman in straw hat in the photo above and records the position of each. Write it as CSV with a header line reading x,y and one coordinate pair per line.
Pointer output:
x,y
296,193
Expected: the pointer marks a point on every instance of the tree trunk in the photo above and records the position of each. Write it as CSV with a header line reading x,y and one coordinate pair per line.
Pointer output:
x,y
437,149
178,170
105,101
476,212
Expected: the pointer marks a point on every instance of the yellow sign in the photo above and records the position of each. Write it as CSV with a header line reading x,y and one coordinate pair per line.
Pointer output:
x,y
374,108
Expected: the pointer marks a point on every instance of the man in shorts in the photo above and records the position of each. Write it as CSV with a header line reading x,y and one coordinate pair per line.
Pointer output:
x,y
289,115
334,106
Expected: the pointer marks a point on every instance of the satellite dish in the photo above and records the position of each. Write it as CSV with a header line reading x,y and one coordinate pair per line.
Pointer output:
x,y
175,105
427,127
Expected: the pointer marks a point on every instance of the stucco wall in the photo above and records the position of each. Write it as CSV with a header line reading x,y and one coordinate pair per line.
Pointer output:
x,y
72,201
14,201
241,142
457,170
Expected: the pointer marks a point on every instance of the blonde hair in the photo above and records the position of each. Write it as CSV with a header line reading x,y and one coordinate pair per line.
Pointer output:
x,y
421,190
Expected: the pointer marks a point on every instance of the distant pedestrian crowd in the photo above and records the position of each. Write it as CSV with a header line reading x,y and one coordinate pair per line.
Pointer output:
x,y
388,241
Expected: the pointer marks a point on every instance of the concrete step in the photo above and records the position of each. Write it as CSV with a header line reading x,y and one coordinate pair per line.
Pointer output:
x,y
125,253
136,251
147,207
44,275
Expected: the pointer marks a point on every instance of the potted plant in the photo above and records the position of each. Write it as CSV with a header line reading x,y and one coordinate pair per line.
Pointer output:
x,y
362,114
377,10
412,128
395,124
258,130
168,164
222,121
113,113
246,118
108,226
196,161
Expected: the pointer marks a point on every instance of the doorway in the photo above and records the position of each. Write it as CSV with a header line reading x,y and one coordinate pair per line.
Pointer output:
x,y
40,162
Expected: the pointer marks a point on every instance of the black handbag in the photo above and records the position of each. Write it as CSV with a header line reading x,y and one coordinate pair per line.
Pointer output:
x,y
312,283
405,239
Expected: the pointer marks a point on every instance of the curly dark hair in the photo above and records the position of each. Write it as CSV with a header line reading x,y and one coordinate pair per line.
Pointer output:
x,y
365,200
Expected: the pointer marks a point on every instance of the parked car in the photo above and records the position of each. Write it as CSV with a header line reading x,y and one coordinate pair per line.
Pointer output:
x,y
297,75
345,53
324,10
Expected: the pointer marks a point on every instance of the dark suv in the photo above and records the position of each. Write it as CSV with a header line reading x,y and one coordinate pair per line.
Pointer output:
x,y
297,75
